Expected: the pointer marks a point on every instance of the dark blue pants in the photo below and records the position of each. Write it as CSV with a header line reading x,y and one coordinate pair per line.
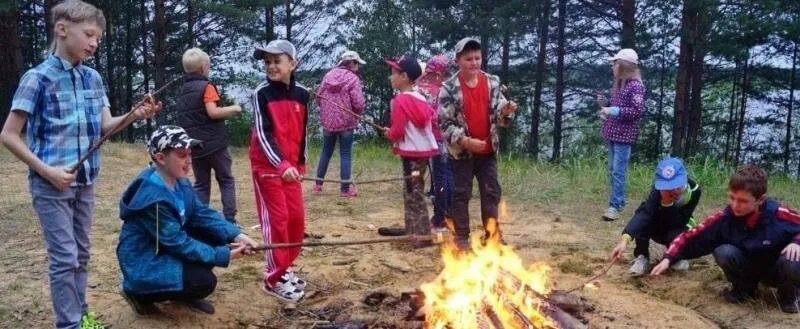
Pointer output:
x,y
442,187
745,273
329,139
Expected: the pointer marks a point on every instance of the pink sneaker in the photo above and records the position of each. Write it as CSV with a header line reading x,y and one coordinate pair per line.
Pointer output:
x,y
317,189
350,193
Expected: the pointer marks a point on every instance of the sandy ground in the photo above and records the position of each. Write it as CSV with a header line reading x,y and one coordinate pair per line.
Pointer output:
x,y
564,237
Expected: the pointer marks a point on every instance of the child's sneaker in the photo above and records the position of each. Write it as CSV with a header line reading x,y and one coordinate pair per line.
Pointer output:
x,y
681,265
350,192
90,321
639,266
611,214
139,307
294,279
284,290
317,189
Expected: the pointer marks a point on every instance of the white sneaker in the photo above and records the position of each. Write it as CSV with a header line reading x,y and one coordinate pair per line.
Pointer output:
x,y
639,266
292,277
681,265
611,214
284,290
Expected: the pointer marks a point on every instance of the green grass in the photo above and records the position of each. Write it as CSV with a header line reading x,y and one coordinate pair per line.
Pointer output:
x,y
578,187
584,182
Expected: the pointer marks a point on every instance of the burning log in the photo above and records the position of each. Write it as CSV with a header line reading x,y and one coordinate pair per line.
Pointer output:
x,y
548,304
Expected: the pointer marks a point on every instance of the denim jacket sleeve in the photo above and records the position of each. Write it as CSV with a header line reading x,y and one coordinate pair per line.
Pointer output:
x,y
162,222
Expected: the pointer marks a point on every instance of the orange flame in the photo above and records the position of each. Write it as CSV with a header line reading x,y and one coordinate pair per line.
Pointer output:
x,y
491,278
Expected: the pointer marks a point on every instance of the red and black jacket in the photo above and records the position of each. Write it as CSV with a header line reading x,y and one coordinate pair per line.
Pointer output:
x,y
761,235
280,117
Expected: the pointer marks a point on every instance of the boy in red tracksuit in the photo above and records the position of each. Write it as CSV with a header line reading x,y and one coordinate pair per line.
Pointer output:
x,y
277,160
411,133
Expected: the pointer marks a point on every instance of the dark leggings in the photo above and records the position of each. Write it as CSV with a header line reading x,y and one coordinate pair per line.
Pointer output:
x,y
198,282
198,279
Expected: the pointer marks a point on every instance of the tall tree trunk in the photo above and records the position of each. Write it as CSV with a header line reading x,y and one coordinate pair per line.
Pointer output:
x,y
560,53
145,31
48,18
504,69
696,104
129,69
684,78
628,14
662,74
160,44
191,19
742,109
729,131
787,152
269,22
484,40
541,62
289,20
10,59
111,67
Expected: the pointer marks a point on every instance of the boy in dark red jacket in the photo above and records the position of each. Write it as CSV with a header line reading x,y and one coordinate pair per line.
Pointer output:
x,y
411,133
754,240
277,160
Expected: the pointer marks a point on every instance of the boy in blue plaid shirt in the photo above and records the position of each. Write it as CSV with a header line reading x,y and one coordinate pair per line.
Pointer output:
x,y
64,107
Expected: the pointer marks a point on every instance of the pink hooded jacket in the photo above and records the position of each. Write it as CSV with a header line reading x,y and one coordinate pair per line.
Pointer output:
x,y
340,88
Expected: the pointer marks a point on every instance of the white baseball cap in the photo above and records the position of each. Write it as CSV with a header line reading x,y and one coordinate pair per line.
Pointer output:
x,y
464,42
627,54
276,47
351,56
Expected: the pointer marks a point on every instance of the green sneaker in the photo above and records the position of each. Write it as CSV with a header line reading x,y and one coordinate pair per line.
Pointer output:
x,y
90,321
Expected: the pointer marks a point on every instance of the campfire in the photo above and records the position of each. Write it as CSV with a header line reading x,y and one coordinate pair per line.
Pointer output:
x,y
490,287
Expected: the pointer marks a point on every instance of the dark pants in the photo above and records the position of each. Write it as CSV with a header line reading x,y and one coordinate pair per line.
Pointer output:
x,y
441,187
199,280
416,212
745,273
663,238
221,162
484,169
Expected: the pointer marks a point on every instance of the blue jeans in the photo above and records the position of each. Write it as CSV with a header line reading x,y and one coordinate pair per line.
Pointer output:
x,y
329,139
442,186
66,219
746,272
618,156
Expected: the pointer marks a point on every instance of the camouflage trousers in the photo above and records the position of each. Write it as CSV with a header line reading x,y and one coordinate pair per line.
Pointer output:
x,y
416,211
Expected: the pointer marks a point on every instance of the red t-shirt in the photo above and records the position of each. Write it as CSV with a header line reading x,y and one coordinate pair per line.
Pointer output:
x,y
476,110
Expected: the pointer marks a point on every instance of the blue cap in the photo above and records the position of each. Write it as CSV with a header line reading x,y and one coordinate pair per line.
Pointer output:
x,y
670,174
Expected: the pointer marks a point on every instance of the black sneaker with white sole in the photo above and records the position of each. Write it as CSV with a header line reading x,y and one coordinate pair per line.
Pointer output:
x,y
141,308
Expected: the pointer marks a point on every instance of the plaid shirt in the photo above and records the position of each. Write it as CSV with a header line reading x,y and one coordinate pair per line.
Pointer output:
x,y
64,106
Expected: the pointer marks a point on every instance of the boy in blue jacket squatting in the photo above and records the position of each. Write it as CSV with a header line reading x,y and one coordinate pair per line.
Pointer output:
x,y
170,240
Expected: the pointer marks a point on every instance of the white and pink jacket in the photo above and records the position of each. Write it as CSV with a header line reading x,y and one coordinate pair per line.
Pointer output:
x,y
412,122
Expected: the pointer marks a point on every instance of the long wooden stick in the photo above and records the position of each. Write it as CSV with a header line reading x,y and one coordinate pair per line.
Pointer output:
x,y
348,111
428,237
413,174
125,122
595,277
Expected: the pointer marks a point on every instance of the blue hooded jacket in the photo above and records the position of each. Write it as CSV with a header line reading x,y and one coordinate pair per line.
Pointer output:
x,y
153,241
